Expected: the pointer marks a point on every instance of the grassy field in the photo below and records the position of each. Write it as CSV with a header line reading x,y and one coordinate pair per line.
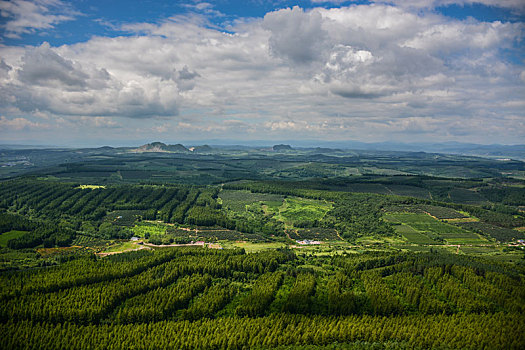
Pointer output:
x,y
91,187
405,229
271,207
250,247
328,249
121,247
141,229
296,210
6,236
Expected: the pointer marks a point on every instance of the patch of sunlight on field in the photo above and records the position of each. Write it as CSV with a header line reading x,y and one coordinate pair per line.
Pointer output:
x,y
6,236
121,247
250,247
91,187
299,209
140,230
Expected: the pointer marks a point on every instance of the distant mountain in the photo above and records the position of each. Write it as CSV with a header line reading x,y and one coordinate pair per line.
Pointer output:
x,y
468,149
160,147
282,148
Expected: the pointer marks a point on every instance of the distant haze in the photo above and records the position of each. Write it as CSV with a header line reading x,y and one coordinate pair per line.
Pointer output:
x,y
490,151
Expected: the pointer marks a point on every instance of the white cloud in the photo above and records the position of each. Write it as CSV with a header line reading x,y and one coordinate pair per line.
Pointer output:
x,y
18,124
52,80
359,72
515,5
43,67
296,35
205,8
23,17
457,36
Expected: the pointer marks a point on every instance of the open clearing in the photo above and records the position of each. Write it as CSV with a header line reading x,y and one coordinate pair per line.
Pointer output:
x,y
141,229
250,247
122,248
414,227
6,236
295,210
91,187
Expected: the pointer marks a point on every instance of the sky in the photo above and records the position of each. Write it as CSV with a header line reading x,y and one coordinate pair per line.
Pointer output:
x,y
127,72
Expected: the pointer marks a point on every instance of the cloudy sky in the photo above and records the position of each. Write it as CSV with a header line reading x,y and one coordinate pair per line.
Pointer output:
x,y
125,72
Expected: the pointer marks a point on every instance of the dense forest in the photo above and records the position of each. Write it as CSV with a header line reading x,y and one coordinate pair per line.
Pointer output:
x,y
194,297
357,262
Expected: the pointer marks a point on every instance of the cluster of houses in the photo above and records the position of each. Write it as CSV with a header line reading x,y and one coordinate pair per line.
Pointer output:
x,y
308,242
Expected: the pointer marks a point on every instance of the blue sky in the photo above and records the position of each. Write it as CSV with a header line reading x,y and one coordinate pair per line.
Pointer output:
x,y
97,72
102,18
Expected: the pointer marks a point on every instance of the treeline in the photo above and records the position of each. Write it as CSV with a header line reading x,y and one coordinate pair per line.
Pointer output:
x,y
496,331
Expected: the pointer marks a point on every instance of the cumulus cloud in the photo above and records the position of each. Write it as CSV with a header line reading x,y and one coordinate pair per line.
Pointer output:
x,y
23,17
363,71
296,35
47,80
4,69
18,124
458,36
44,67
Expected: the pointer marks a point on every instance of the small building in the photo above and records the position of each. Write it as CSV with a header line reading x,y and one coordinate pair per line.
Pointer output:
x,y
134,239
308,242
